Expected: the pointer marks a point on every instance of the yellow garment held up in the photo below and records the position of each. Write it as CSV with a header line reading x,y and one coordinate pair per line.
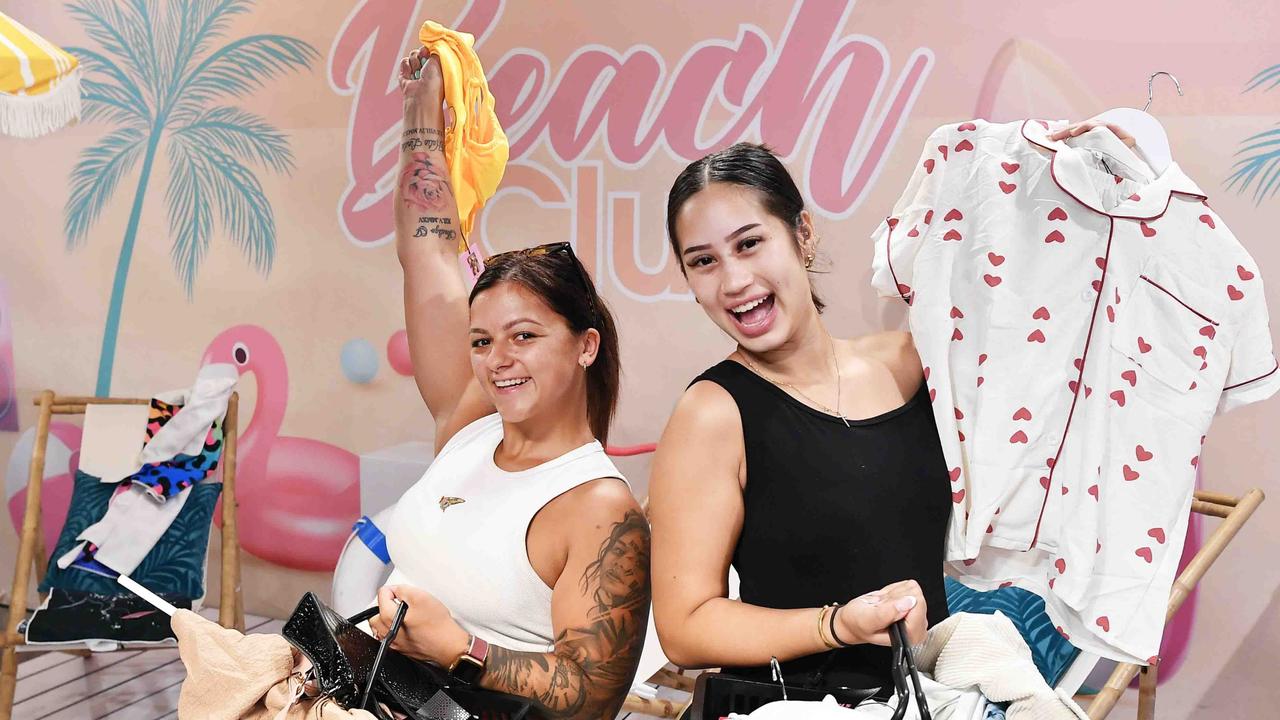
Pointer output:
x,y
474,145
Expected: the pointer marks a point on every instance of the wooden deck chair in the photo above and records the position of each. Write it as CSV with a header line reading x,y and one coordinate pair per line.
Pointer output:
x,y
31,550
1234,512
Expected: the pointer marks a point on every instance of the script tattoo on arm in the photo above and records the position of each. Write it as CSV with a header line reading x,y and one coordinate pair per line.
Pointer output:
x,y
592,667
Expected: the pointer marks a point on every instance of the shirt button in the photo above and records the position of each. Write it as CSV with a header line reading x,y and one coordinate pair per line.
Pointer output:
x,y
1087,295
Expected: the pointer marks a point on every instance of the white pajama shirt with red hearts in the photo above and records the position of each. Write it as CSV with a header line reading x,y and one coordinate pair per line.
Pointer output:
x,y
1080,321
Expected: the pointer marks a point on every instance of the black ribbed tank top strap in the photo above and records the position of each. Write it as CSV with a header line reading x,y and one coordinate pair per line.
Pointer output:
x,y
834,511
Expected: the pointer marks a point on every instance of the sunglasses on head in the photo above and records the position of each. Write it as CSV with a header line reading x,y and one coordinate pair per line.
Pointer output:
x,y
549,249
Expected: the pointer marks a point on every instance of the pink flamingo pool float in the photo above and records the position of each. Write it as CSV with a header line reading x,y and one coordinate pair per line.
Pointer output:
x,y
297,497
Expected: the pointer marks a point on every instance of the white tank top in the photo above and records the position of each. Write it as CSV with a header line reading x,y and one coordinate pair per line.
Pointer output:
x,y
471,555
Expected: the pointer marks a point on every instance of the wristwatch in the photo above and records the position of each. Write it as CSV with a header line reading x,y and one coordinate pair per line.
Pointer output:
x,y
469,666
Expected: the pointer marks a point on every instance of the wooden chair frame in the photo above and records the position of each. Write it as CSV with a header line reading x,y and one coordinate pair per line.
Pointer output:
x,y
1234,512
31,550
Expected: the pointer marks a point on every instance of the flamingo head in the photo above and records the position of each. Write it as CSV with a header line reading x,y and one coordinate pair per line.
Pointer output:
x,y
251,349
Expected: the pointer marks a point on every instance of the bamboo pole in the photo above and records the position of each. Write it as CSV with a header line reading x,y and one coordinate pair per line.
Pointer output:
x,y
231,611
674,680
1147,693
26,546
1217,498
80,400
656,707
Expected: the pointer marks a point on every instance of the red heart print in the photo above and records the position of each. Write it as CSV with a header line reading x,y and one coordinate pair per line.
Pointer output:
x,y
915,232
1062,632
952,235
926,373
1209,331
955,312
959,415
1101,262
1057,214
1143,345
980,379
1131,377
1005,584
1010,168
1118,396
1244,274
953,214
933,394
1144,553
1118,179
928,166
954,474
1055,237
1195,461
1044,483
1049,462
1200,352
1064,489
904,289
1130,474
1087,391
960,435
1103,622
1072,385
958,496
1078,363
1193,384
1093,490
1111,314
995,259
1043,124
991,529
982,358
928,218
1208,221
956,334
1097,286
1018,437
943,149
892,222
1022,414
1061,565
1117,295
1007,188
1203,365
967,563
963,146
1147,230
1135,197
992,280
1157,534
1041,313
967,126
1097,548
1142,454
1234,293
1036,336
1051,582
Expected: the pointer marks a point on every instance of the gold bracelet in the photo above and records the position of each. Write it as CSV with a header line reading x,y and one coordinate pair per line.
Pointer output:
x,y
822,624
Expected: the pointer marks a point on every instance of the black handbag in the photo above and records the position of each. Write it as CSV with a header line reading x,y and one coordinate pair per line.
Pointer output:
x,y
715,695
358,672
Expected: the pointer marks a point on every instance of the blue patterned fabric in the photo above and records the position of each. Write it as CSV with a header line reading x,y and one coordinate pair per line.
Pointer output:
x,y
174,567
1051,652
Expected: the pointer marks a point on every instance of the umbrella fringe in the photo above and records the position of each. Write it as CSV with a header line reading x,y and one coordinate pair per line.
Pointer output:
x,y
29,116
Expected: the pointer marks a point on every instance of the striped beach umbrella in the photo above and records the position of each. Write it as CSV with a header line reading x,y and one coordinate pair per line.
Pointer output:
x,y
39,83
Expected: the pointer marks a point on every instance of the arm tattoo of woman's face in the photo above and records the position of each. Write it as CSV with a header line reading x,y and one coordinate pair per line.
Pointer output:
x,y
593,665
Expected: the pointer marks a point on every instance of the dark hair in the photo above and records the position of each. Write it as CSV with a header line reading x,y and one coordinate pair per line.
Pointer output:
x,y
747,165
563,284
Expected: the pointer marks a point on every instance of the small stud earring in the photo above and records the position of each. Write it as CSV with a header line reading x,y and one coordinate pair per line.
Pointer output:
x,y
808,261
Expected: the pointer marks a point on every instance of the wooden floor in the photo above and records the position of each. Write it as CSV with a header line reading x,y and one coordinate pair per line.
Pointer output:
x,y
124,685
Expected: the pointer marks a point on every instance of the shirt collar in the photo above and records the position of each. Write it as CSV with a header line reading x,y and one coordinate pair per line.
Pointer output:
x,y
1069,171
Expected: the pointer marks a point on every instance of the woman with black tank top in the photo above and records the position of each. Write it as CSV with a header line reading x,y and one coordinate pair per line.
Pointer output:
x,y
810,463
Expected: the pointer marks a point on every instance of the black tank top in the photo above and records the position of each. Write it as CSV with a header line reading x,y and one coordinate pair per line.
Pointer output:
x,y
833,512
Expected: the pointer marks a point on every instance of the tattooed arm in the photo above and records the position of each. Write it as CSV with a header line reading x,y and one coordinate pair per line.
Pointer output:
x,y
427,235
599,608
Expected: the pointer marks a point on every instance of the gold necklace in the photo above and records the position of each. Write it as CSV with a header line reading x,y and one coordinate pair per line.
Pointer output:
x,y
799,392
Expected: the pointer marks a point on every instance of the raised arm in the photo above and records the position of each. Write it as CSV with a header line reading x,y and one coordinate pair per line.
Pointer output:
x,y
427,236
695,505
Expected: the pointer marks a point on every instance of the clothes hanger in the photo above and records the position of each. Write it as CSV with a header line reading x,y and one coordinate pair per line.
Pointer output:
x,y
1151,141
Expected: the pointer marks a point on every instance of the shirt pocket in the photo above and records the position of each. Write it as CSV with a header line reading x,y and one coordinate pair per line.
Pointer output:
x,y
1168,326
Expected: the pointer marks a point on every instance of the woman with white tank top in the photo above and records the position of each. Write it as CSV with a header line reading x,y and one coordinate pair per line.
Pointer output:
x,y
521,553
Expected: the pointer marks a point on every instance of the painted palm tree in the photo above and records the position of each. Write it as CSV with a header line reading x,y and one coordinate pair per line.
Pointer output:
x,y
156,78
1259,167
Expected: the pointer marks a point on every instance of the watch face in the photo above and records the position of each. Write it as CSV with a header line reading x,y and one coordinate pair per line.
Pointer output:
x,y
467,669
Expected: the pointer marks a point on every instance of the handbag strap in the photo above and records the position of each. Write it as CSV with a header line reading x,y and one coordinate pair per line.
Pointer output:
x,y
401,609
904,669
